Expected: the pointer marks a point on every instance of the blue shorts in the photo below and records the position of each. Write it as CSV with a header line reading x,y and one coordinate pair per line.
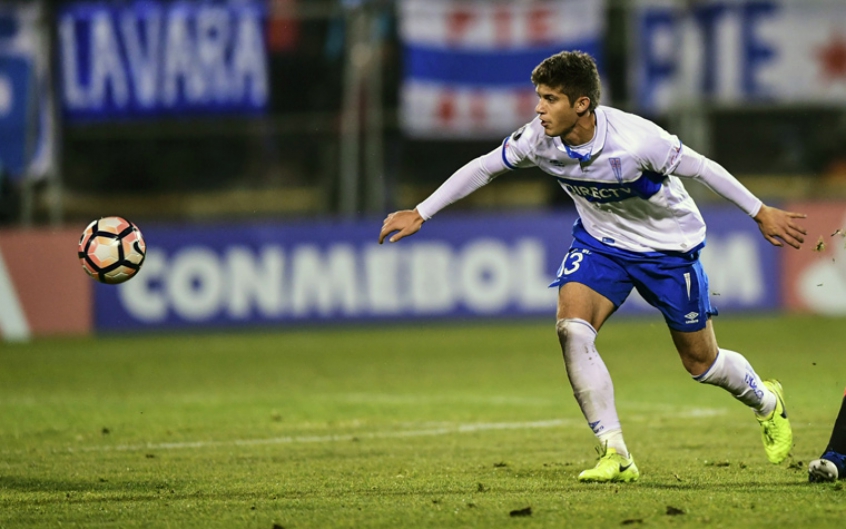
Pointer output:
x,y
672,282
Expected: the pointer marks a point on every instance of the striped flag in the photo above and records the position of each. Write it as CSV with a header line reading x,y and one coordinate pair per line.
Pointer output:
x,y
468,63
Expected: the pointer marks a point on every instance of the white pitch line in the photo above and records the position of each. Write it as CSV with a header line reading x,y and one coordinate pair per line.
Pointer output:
x,y
446,430
460,428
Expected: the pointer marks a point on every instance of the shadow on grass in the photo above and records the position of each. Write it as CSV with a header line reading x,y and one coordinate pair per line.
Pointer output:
x,y
34,492
44,491
754,487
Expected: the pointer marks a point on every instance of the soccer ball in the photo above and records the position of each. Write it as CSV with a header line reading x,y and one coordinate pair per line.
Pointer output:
x,y
112,250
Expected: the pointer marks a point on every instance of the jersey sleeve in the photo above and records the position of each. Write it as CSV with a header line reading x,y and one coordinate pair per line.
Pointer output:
x,y
517,148
694,165
656,149
473,175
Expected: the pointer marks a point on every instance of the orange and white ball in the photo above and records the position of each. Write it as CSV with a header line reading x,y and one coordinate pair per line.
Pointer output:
x,y
112,250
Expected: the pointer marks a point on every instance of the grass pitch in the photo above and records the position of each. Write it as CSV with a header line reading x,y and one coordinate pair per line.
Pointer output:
x,y
436,426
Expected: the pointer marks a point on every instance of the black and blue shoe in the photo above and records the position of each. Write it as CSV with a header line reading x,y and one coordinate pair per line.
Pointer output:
x,y
831,466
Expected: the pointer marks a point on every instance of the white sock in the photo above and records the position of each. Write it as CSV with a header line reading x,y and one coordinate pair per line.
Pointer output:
x,y
614,439
732,372
591,381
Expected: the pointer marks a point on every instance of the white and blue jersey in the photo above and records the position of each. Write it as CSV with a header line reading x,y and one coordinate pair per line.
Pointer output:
x,y
621,181
637,227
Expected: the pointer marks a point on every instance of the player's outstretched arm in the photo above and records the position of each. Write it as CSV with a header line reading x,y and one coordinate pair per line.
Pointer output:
x,y
777,225
475,174
405,222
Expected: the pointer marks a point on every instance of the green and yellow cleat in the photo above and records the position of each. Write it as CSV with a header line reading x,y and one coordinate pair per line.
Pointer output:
x,y
775,429
611,467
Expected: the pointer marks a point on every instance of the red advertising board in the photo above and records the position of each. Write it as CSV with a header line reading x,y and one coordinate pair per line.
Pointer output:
x,y
814,278
43,290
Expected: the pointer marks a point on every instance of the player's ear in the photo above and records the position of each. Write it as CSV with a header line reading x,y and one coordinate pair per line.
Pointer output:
x,y
582,104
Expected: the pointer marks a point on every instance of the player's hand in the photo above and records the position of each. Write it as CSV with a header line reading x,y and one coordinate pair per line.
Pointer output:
x,y
406,222
778,225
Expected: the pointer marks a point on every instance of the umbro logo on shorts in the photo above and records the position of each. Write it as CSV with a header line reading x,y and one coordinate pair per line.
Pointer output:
x,y
692,317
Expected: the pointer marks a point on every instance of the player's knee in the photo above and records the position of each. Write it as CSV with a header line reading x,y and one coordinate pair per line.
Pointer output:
x,y
697,361
574,330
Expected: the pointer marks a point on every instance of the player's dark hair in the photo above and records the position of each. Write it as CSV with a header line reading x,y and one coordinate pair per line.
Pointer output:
x,y
572,72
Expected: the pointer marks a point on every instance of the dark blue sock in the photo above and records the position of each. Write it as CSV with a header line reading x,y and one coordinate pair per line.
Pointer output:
x,y
837,443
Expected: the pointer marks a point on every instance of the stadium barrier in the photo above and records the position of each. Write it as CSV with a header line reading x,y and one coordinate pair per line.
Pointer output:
x,y
459,266
814,279
43,290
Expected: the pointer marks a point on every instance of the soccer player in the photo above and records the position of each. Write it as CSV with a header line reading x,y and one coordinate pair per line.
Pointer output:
x,y
831,466
637,228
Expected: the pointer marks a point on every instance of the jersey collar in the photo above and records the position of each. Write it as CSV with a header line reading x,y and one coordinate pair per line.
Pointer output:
x,y
585,152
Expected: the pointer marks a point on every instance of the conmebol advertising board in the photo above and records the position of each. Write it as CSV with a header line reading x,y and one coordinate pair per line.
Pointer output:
x,y
456,267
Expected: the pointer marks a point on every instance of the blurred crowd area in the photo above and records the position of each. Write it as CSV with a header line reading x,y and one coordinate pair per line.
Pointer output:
x,y
330,139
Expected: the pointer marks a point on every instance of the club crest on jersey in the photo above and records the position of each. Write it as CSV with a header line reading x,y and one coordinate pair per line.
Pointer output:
x,y
617,167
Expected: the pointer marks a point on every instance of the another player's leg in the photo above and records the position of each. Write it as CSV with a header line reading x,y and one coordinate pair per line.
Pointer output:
x,y
831,466
731,371
581,312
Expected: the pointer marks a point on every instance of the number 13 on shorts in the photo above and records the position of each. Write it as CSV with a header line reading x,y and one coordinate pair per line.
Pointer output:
x,y
572,262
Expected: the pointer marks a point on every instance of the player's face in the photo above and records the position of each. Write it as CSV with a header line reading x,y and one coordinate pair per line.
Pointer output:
x,y
557,115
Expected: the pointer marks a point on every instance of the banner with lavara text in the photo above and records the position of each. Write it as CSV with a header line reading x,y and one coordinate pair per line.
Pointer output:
x,y
153,58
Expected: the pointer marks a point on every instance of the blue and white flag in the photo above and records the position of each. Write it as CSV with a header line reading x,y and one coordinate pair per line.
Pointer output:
x,y
27,129
737,51
468,63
